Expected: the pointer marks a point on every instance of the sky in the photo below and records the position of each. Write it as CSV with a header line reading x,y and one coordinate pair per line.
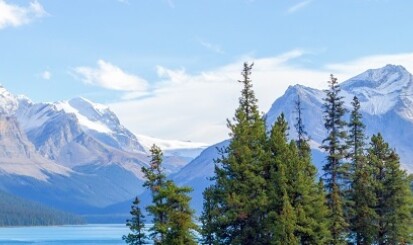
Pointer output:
x,y
169,68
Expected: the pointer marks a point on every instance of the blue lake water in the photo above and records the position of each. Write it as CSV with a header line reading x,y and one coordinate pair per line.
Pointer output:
x,y
77,234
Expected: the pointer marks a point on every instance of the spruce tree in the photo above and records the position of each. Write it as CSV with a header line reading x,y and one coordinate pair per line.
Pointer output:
x,y
238,173
295,183
362,185
394,198
336,172
136,225
281,221
299,125
209,217
180,216
155,182
172,216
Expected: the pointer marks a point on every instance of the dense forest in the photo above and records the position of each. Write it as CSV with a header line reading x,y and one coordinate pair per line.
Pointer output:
x,y
266,189
17,211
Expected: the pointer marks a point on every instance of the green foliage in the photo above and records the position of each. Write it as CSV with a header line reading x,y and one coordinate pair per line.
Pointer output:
x,y
209,217
16,211
180,226
172,216
136,225
265,190
239,184
155,181
336,171
394,198
294,193
362,194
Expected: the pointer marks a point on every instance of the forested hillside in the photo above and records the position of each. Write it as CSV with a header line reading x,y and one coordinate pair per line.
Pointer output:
x,y
16,211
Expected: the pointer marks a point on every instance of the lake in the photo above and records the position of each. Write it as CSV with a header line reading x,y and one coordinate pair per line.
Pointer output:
x,y
76,234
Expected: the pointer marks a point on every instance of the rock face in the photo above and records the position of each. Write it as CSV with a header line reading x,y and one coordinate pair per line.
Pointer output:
x,y
386,97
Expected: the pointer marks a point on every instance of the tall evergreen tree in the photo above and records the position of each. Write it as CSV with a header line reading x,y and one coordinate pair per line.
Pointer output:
x,y
180,223
299,125
281,221
172,217
336,172
155,182
362,185
295,181
394,198
209,217
136,225
238,173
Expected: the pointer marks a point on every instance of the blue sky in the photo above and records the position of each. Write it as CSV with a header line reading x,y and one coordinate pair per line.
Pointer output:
x,y
168,67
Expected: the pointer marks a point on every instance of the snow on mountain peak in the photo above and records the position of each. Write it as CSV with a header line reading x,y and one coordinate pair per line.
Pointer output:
x,y
387,79
379,90
86,120
8,102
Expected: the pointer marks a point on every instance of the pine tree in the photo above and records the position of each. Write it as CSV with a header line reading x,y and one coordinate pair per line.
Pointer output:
x,y
155,182
299,125
281,222
180,223
394,198
136,225
362,185
238,173
335,170
209,217
294,179
172,216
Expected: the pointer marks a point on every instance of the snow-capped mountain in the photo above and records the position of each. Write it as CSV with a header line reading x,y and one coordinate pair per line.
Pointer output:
x,y
75,154
386,97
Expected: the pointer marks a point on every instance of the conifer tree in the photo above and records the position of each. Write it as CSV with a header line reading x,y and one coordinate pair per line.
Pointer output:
x,y
336,172
394,198
238,173
172,217
299,125
180,223
362,185
281,221
155,182
136,225
295,182
209,217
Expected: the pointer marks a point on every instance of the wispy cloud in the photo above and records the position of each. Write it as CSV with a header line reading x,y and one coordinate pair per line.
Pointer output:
x,y
212,47
14,15
123,1
298,6
111,77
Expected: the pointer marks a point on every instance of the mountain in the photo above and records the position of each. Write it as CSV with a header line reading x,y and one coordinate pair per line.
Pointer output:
x,y
386,97
75,155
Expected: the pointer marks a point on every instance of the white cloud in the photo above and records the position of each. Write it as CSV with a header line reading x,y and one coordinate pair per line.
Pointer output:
x,y
46,75
195,106
112,77
298,6
14,15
